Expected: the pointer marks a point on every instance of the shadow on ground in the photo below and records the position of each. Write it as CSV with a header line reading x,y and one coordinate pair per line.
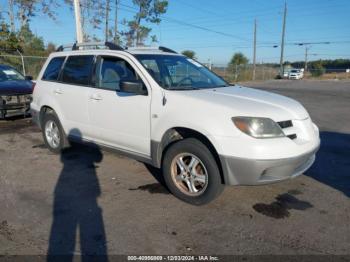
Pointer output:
x,y
280,208
75,208
332,165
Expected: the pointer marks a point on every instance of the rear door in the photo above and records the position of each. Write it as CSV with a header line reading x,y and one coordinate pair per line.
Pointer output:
x,y
72,93
118,119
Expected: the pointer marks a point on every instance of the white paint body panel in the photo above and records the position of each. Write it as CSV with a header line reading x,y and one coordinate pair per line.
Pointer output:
x,y
130,122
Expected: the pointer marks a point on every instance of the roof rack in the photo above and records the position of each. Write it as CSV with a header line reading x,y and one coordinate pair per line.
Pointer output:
x,y
165,49
109,45
160,48
76,46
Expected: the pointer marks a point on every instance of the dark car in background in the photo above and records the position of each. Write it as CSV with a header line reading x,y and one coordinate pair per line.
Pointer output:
x,y
15,92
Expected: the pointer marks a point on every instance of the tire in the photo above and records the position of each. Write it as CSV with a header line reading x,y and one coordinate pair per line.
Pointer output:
x,y
58,141
183,179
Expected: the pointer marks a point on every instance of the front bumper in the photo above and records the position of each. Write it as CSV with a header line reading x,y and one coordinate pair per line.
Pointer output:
x,y
8,110
241,171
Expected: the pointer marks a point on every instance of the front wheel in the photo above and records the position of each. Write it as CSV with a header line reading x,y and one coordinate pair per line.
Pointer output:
x,y
191,172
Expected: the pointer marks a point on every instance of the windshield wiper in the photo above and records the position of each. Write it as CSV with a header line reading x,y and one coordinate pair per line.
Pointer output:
x,y
222,86
184,88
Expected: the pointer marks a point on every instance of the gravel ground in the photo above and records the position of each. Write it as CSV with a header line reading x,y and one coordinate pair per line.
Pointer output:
x,y
88,201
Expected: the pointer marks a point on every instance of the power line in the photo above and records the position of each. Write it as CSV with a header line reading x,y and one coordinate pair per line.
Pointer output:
x,y
170,19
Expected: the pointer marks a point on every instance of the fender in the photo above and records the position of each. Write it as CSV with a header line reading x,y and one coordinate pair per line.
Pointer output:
x,y
50,102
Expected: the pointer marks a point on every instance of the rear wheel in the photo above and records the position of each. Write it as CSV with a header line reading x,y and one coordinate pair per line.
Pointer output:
x,y
53,133
191,172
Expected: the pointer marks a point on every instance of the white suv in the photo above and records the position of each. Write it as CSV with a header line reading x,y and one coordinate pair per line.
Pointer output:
x,y
164,109
296,74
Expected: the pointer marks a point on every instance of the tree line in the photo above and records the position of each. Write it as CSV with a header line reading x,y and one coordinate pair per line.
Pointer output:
x,y
16,17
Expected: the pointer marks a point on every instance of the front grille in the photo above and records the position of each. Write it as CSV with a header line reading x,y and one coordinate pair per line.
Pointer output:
x,y
16,99
293,136
287,124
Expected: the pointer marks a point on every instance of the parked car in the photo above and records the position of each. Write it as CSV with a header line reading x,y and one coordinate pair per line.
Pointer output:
x,y
15,92
172,112
286,74
296,74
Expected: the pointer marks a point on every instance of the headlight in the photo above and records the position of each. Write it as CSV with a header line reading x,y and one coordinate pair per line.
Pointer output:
x,y
258,127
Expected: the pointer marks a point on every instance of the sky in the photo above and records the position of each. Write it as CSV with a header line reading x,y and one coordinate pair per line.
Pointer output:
x,y
216,29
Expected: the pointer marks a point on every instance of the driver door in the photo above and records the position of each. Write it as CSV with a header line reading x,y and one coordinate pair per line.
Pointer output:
x,y
117,119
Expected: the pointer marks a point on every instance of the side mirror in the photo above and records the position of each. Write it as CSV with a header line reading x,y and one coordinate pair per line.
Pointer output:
x,y
132,87
30,78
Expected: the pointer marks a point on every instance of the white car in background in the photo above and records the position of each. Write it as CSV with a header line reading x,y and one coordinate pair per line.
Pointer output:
x,y
296,74
167,110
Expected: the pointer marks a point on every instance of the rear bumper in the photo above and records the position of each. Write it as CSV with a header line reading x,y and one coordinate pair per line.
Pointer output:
x,y
241,171
35,117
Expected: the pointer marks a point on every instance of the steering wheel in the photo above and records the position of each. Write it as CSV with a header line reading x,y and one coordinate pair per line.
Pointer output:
x,y
183,80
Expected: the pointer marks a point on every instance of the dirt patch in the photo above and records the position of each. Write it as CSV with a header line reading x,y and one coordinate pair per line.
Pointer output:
x,y
280,208
295,192
18,126
155,188
5,230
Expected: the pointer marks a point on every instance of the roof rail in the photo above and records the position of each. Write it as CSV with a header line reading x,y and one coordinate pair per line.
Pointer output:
x,y
165,49
76,46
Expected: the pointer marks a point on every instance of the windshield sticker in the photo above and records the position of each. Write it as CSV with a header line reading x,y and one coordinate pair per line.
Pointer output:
x,y
9,72
194,62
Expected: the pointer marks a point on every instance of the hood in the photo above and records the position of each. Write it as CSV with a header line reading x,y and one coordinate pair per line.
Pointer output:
x,y
17,87
243,101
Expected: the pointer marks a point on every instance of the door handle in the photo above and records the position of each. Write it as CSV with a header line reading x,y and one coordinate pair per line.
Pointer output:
x,y
58,91
95,97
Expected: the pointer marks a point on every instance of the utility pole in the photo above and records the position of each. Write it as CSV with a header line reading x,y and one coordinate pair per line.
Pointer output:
x,y
283,35
116,39
11,3
78,26
307,48
254,52
107,18
209,63
306,53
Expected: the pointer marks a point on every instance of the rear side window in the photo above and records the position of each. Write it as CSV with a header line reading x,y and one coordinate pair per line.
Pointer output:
x,y
53,68
77,70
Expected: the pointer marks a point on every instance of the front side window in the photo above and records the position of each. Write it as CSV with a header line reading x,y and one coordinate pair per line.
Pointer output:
x,y
111,71
53,68
77,70
179,73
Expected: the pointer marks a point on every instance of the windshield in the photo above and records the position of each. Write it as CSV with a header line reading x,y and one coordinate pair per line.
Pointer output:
x,y
9,74
179,73
294,71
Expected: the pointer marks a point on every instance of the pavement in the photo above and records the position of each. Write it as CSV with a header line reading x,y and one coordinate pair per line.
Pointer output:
x,y
91,201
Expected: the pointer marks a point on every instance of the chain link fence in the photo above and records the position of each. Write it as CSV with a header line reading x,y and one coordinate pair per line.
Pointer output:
x,y
26,64
31,65
244,72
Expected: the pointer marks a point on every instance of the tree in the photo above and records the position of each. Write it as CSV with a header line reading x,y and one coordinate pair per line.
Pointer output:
x,y
189,53
238,59
51,47
148,11
30,42
317,69
93,13
24,10
8,40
